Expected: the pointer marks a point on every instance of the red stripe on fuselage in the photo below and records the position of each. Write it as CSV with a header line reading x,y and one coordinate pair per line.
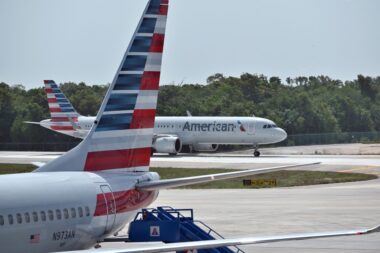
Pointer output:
x,y
124,201
63,119
150,80
143,118
62,128
114,159
157,45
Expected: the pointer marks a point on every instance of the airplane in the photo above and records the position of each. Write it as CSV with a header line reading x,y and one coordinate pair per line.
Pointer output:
x,y
75,201
171,134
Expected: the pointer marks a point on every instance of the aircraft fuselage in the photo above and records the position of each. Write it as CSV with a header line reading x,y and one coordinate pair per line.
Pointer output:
x,y
60,211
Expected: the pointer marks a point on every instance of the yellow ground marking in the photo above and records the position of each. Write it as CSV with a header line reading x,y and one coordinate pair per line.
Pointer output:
x,y
363,169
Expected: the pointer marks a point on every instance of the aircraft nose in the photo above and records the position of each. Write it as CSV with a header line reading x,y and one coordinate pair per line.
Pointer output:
x,y
282,134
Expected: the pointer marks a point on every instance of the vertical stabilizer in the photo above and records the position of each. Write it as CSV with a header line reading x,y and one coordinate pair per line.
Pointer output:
x,y
59,106
121,136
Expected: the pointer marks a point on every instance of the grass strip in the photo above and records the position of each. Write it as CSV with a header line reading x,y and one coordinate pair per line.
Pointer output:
x,y
282,178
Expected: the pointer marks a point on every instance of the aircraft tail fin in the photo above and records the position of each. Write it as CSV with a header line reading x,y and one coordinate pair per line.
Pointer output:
x,y
59,106
121,136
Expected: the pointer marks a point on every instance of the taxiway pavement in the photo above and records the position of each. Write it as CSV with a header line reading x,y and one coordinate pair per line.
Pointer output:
x,y
277,211
354,163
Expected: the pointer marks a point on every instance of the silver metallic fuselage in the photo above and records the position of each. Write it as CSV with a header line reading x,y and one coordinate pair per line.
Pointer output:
x,y
27,197
200,130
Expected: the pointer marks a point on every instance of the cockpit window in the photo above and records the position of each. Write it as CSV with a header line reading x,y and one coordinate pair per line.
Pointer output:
x,y
270,126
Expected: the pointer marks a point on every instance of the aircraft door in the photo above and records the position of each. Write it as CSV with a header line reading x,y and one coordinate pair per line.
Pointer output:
x,y
109,202
251,128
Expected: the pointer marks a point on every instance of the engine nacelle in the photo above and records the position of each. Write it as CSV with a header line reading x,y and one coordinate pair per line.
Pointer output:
x,y
167,144
205,147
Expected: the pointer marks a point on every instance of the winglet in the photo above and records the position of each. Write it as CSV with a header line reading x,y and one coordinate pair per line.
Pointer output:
x,y
188,113
373,230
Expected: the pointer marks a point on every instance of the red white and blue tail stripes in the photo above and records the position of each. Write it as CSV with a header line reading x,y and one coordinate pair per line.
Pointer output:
x,y
61,110
121,137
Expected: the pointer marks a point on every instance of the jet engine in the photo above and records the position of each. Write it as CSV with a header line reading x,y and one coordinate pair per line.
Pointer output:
x,y
205,147
167,144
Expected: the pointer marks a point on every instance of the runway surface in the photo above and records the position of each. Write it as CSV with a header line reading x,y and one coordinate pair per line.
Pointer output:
x,y
249,212
354,163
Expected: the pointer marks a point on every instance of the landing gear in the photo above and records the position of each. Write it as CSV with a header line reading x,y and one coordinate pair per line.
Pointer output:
x,y
256,153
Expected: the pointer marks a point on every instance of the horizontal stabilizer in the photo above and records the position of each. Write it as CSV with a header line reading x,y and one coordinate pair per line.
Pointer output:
x,y
170,183
184,246
32,122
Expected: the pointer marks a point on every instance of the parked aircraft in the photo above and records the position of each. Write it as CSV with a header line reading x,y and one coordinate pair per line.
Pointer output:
x,y
92,191
171,134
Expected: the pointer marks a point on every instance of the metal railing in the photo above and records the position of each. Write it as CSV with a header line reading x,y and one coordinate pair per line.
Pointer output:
x,y
331,138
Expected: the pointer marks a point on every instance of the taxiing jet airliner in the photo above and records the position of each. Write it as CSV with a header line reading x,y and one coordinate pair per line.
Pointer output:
x,y
95,189
171,134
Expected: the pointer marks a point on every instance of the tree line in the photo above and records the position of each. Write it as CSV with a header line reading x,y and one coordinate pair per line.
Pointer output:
x,y
315,104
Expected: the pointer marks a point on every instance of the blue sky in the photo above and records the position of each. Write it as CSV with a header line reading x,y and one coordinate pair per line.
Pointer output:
x,y
84,40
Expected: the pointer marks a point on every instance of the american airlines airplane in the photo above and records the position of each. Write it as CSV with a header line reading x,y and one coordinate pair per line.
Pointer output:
x,y
75,201
171,134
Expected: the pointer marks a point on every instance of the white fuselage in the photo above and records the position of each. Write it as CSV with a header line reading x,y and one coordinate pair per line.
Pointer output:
x,y
58,211
198,130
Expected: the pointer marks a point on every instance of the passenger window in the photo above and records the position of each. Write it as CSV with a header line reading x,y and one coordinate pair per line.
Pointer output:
x,y
80,211
10,219
35,216
66,213
265,126
269,126
73,213
27,217
87,211
19,218
43,216
58,214
51,215
1,220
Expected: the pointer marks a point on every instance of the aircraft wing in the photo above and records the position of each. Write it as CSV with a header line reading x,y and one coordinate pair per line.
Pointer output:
x,y
38,164
170,183
169,247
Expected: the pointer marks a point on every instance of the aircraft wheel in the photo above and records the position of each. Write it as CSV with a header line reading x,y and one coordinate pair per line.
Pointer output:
x,y
256,153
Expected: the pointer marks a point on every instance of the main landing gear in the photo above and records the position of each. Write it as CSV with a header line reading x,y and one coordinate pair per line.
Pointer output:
x,y
256,153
